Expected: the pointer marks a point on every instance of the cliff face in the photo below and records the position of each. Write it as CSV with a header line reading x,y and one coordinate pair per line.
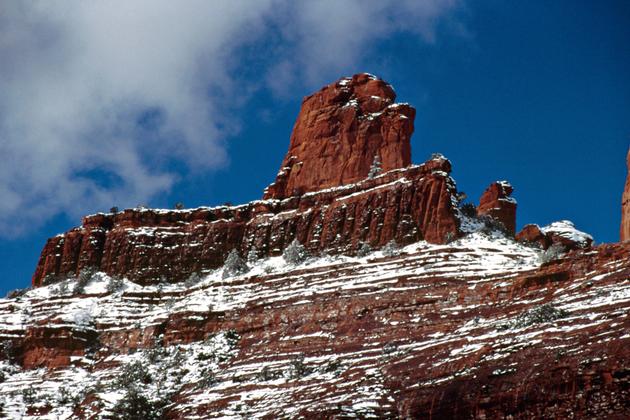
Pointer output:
x,y
403,205
477,329
497,203
339,132
463,322
625,206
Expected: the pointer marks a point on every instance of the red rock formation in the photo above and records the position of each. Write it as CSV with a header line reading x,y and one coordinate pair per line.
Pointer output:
x,y
497,203
561,233
403,205
625,207
533,235
436,333
339,131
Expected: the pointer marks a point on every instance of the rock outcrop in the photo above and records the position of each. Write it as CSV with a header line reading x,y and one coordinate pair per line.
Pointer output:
x,y
474,329
562,233
565,234
532,234
463,322
625,207
403,205
339,132
497,203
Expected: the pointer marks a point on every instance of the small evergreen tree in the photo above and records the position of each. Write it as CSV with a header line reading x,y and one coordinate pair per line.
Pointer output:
x,y
234,265
179,205
192,280
391,249
468,210
84,278
375,169
364,249
135,406
554,252
252,256
114,284
295,253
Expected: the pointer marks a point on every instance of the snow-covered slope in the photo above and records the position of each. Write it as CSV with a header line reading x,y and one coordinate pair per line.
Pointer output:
x,y
474,328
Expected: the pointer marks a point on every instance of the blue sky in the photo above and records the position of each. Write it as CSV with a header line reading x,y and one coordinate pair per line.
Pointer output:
x,y
153,103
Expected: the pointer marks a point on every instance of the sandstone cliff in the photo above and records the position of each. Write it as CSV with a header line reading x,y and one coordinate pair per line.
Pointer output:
x,y
474,329
339,132
463,321
625,206
403,205
497,203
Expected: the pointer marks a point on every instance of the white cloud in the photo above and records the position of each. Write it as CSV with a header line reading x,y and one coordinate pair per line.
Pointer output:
x,y
77,76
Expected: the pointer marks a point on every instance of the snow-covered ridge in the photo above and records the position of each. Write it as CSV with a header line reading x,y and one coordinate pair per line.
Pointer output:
x,y
428,306
566,229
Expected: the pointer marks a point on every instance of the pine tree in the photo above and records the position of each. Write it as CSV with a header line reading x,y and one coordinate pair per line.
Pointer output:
x,y
234,265
295,253
375,169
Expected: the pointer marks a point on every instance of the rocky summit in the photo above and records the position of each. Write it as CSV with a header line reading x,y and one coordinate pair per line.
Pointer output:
x,y
360,286
625,207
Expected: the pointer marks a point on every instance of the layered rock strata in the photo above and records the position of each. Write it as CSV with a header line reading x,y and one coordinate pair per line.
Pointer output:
x,y
625,207
339,132
475,329
403,205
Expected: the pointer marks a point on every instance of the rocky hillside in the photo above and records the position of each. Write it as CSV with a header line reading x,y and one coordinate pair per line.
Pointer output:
x,y
478,328
361,286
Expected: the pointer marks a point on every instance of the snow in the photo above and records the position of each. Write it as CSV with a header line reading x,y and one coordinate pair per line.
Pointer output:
x,y
566,229
477,262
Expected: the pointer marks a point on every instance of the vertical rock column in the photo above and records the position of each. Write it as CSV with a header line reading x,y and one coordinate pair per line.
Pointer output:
x,y
497,203
625,206
338,133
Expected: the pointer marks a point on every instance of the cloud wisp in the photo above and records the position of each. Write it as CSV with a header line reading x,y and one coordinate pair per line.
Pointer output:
x,y
102,101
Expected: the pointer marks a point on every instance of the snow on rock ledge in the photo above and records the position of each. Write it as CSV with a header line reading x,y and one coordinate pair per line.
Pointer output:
x,y
565,233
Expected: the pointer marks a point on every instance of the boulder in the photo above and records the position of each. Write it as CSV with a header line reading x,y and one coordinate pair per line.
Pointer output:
x,y
531,234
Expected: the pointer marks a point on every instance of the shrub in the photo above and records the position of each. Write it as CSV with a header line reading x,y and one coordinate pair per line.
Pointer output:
x,y
252,256
113,210
391,249
490,225
28,395
449,237
295,253
84,278
64,396
232,338
135,406
298,368
207,378
62,288
114,284
375,169
364,249
537,315
133,374
468,210
9,351
17,293
50,278
554,252
234,265
192,280
179,205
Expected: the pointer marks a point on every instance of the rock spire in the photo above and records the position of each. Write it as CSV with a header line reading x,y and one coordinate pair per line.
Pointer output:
x,y
339,131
